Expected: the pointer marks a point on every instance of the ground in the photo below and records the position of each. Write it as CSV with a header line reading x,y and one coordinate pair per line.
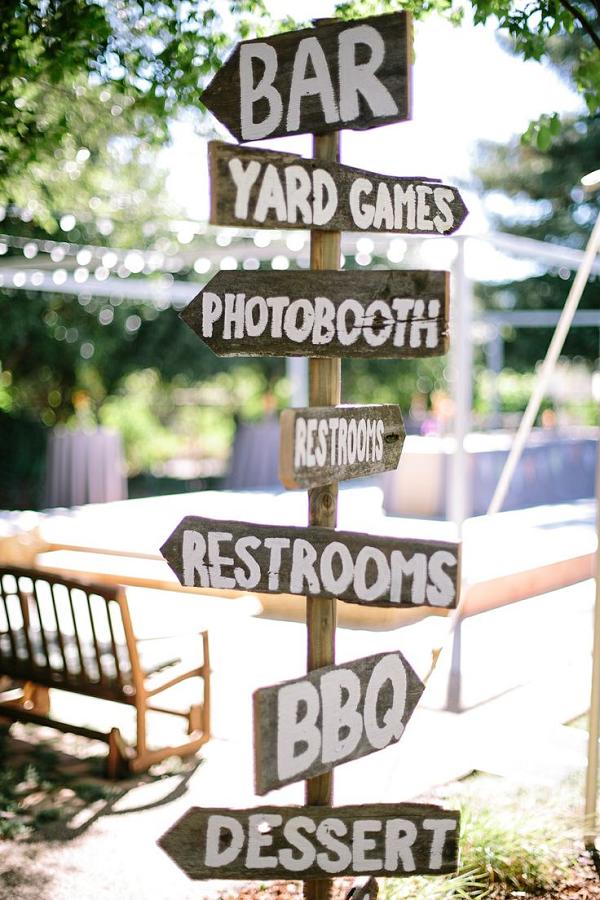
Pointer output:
x,y
58,809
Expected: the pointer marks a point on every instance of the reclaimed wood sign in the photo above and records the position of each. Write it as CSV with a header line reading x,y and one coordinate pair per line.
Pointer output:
x,y
315,841
305,727
339,75
265,189
351,314
313,562
322,444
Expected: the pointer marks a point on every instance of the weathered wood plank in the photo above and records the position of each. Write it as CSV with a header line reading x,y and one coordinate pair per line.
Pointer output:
x,y
314,562
322,444
314,841
298,724
353,74
388,314
267,189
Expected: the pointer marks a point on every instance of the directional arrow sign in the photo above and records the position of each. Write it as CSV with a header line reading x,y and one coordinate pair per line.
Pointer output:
x,y
313,562
384,314
305,727
315,841
264,189
343,75
322,444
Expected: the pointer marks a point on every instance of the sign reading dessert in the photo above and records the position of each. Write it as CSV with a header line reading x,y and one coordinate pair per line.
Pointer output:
x,y
338,75
389,314
266,189
313,562
319,445
315,841
305,727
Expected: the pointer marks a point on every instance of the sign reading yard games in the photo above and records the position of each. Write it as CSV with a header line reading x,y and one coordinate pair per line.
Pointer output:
x,y
260,188
338,75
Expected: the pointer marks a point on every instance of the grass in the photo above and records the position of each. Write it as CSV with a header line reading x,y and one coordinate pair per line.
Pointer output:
x,y
515,841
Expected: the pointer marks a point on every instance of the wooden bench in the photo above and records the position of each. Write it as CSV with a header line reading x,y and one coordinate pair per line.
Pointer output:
x,y
77,636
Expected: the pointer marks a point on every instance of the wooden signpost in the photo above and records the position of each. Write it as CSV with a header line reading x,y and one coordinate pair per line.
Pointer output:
x,y
333,715
257,188
320,444
394,314
337,75
314,841
353,74
314,562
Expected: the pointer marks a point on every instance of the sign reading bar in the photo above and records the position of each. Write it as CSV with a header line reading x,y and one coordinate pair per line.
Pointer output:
x,y
353,74
323,313
305,727
322,444
313,562
314,841
265,189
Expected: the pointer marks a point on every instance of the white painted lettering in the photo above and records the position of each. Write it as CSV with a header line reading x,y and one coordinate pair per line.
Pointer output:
x,y
389,669
275,545
270,196
325,835
264,89
400,836
212,307
415,568
303,85
295,730
338,715
381,585
215,560
299,309
292,834
247,579
259,836
300,442
440,828
304,557
298,187
218,826
193,550
243,180
336,584
361,844
325,197
441,592
360,78
362,214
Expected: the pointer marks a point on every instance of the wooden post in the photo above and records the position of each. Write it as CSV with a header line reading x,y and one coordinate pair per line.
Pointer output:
x,y
324,389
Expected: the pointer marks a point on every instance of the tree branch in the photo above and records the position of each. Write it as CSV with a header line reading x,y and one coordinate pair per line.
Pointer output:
x,y
577,14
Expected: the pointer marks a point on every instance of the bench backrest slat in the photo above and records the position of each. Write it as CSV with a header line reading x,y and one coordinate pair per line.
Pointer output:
x,y
67,633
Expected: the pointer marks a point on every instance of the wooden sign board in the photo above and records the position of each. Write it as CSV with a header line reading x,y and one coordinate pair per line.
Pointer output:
x,y
313,562
308,726
353,74
322,444
314,841
264,189
387,314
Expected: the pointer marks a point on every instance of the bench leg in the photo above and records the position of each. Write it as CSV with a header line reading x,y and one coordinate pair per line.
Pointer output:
x,y
38,696
117,763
